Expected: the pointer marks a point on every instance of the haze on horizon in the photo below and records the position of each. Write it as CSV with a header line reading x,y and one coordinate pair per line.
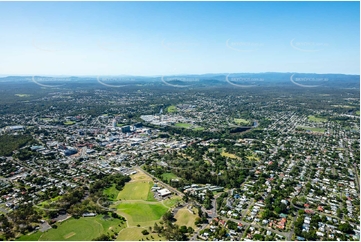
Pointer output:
x,y
164,38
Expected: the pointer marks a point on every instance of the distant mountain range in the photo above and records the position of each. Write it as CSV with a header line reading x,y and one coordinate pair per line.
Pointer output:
x,y
204,80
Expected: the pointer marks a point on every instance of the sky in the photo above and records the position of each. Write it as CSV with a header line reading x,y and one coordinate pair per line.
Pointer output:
x,y
165,38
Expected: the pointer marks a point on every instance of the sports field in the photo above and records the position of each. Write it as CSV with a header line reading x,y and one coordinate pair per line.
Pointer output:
x,y
135,191
241,121
316,119
135,234
83,229
169,176
183,125
185,217
172,109
141,212
321,130
357,112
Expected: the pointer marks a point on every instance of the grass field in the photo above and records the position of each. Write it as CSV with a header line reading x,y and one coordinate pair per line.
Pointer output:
x,y
171,202
357,112
83,229
141,212
342,106
169,176
135,234
226,154
22,95
316,119
172,109
321,130
183,125
31,237
184,217
138,190
241,121
69,122
111,192
198,129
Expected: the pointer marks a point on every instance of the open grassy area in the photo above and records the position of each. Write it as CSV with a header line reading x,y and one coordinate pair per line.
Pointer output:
x,y
135,191
172,201
357,112
169,176
241,121
226,154
111,192
143,213
22,95
183,125
83,229
135,234
198,129
342,106
316,119
30,237
172,109
185,217
69,122
321,130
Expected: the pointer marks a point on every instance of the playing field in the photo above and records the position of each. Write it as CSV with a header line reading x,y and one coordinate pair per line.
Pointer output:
x,y
32,237
170,202
22,95
172,109
83,229
138,190
321,130
69,123
316,119
185,217
198,129
182,125
226,154
357,112
135,234
169,176
140,212
241,121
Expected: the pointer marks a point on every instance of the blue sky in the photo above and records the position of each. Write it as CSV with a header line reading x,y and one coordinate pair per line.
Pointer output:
x,y
161,38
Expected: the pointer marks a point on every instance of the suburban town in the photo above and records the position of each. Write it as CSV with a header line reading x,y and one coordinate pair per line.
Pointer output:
x,y
273,175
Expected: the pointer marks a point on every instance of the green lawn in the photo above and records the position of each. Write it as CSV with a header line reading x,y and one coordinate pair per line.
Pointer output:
x,y
69,122
198,129
141,212
184,217
135,191
313,129
242,121
135,234
32,237
172,109
83,229
172,201
22,95
169,176
111,192
182,125
357,112
316,119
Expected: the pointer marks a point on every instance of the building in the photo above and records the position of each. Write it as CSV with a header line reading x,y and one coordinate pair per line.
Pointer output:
x,y
126,129
164,192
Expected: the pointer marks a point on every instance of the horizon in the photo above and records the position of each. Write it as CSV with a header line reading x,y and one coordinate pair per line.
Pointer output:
x,y
168,38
